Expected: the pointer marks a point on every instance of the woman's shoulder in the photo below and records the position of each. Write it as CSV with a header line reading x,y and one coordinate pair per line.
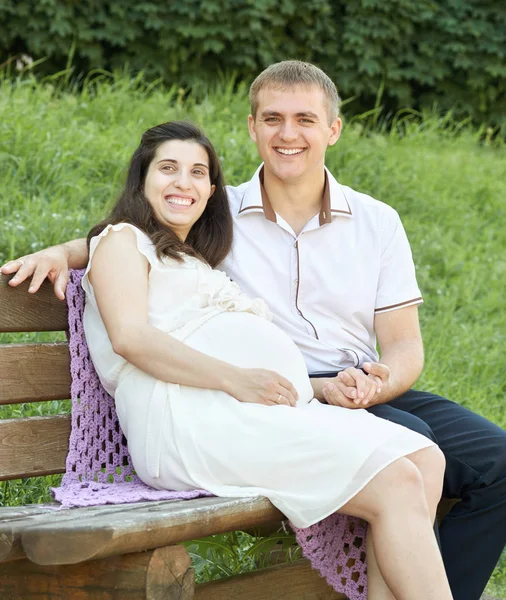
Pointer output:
x,y
124,234
121,231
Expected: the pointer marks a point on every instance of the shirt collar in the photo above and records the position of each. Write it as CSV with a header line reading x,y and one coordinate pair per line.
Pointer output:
x,y
334,202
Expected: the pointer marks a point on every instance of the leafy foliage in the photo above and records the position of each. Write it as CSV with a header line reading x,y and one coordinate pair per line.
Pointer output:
x,y
225,555
421,53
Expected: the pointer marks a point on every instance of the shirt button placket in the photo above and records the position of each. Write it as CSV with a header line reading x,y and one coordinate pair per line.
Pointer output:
x,y
294,278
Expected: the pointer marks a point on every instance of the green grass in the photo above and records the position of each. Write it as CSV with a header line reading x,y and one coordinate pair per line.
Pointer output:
x,y
62,159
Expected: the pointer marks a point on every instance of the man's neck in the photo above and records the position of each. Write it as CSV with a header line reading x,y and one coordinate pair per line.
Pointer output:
x,y
298,201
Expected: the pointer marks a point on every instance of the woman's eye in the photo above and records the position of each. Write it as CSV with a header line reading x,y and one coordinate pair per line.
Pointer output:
x,y
168,168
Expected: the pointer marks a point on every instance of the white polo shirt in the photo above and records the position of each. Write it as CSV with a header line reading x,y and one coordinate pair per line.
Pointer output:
x,y
325,285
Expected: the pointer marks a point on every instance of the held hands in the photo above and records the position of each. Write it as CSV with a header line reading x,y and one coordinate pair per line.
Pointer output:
x,y
352,388
262,386
51,263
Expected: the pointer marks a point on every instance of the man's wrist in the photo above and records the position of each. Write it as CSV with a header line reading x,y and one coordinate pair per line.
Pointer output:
x,y
67,250
390,390
76,253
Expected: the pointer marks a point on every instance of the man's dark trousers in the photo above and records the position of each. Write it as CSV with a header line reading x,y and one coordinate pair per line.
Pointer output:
x,y
473,534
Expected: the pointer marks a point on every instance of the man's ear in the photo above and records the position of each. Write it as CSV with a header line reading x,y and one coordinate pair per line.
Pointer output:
x,y
335,131
251,128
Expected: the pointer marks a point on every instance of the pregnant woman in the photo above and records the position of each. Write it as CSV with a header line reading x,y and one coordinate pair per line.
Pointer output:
x,y
210,394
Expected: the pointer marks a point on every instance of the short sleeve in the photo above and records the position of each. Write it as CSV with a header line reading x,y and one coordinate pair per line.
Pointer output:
x,y
144,245
397,285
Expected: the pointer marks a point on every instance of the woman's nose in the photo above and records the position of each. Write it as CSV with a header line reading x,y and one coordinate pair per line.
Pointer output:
x,y
183,181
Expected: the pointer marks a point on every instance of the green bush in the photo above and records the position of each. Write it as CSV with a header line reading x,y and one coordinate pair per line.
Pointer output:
x,y
416,52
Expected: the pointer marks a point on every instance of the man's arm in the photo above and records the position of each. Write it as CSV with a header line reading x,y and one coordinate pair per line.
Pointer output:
x,y
401,351
401,355
53,263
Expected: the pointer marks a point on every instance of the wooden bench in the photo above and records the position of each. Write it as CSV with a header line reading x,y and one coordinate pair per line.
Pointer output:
x,y
108,552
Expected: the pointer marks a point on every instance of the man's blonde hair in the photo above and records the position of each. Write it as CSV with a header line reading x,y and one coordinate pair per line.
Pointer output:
x,y
290,73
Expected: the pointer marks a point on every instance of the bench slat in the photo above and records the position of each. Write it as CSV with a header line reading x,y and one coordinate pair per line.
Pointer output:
x,y
21,311
164,573
138,527
34,372
283,582
10,518
33,446
14,520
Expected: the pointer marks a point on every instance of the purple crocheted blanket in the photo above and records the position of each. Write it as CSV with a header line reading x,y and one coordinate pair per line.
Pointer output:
x,y
99,469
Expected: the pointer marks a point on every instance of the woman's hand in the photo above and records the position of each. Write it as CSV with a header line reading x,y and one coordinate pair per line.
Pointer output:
x,y
261,386
51,263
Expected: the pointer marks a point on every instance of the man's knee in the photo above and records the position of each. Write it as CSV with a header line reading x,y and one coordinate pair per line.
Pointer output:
x,y
497,470
482,481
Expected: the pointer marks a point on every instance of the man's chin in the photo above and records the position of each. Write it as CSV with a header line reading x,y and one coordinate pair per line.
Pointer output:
x,y
289,174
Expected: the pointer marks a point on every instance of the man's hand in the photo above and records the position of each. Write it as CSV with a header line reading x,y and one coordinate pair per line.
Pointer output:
x,y
51,263
352,388
376,372
380,373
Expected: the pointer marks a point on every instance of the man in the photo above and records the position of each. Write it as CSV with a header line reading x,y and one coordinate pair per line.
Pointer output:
x,y
336,269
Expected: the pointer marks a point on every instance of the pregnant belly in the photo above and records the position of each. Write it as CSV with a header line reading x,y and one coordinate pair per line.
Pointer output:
x,y
248,341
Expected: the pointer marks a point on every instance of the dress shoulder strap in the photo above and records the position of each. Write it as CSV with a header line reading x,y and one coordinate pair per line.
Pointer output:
x,y
144,245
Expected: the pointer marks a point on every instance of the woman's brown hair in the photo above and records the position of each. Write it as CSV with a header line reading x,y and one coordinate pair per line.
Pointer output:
x,y
210,237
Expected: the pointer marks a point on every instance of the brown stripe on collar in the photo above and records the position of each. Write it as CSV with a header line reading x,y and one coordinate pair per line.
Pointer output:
x,y
269,213
325,214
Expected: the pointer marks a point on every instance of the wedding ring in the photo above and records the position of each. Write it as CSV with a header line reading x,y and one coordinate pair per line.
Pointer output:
x,y
279,398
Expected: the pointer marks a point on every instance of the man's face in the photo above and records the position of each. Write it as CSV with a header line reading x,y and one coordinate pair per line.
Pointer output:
x,y
292,132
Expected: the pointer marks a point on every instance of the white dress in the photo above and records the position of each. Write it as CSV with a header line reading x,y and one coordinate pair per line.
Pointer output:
x,y
308,460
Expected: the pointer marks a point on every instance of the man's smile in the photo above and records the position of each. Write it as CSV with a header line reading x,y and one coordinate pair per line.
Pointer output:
x,y
289,151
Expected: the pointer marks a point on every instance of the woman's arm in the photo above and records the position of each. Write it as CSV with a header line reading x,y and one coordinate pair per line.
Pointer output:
x,y
119,275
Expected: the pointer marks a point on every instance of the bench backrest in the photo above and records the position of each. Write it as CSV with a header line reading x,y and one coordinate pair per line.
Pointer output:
x,y
33,372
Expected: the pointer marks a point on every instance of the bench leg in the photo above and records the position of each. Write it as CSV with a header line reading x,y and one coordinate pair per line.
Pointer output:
x,y
164,573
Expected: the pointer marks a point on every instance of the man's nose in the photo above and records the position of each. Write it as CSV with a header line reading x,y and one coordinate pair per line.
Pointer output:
x,y
288,132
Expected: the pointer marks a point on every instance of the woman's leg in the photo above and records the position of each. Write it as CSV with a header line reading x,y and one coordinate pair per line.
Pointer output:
x,y
400,520
431,464
377,588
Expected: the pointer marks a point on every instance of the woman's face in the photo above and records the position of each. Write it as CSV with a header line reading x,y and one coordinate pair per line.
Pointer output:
x,y
178,185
